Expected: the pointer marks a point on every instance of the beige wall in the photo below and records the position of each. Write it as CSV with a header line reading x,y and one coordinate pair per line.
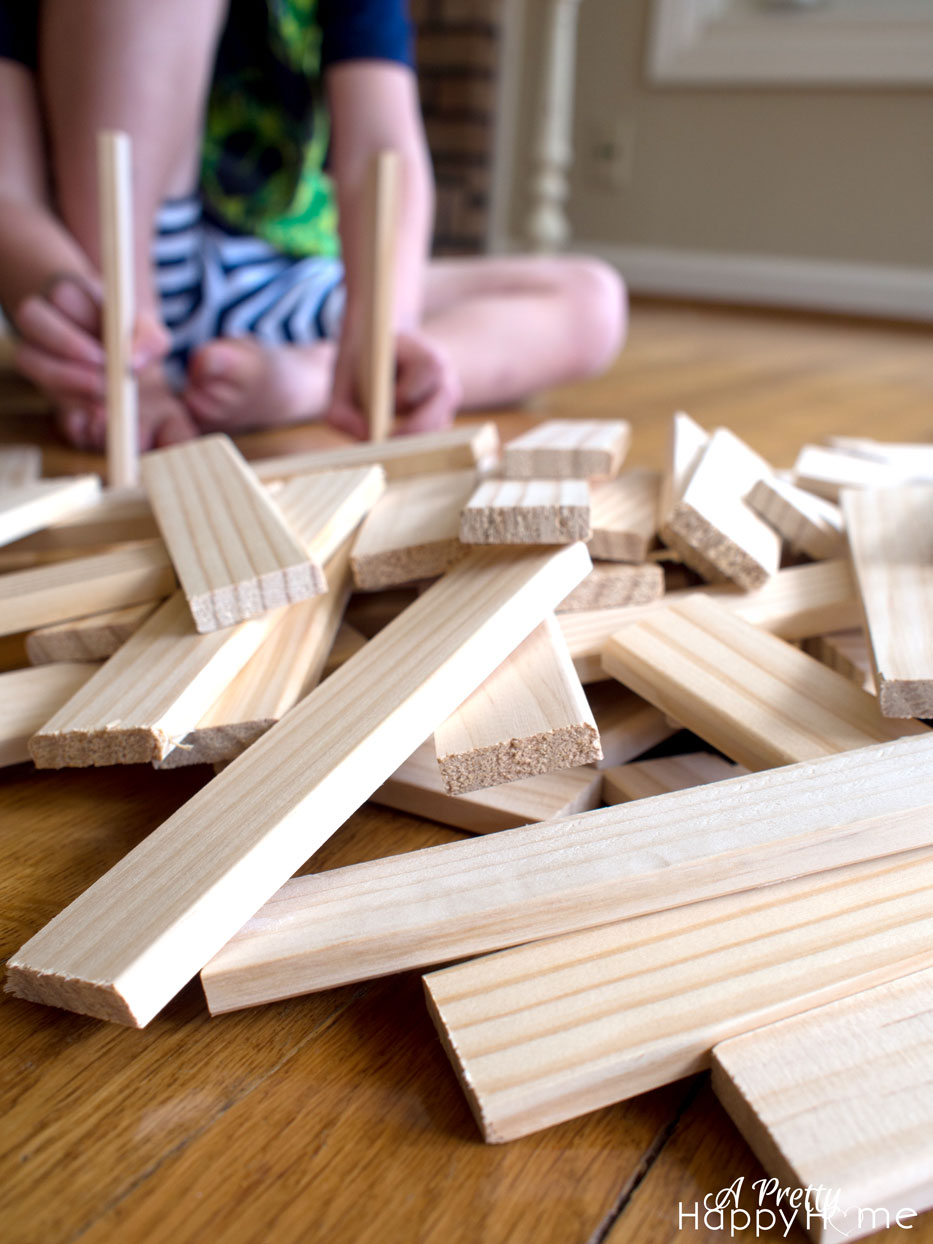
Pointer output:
x,y
834,174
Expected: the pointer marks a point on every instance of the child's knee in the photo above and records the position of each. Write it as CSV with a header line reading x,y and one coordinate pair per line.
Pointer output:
x,y
598,306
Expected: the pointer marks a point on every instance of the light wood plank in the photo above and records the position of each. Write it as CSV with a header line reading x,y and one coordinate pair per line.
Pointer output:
x,y
568,449
323,509
116,516
628,725
841,1099
752,696
183,892
527,512
686,444
644,778
84,585
624,516
550,1031
376,380
613,586
19,464
463,898
891,541
807,522
912,459
530,716
234,553
29,697
87,639
847,652
31,506
413,533
827,472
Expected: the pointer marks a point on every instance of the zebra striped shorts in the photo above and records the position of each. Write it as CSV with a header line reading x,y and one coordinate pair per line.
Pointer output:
x,y
215,283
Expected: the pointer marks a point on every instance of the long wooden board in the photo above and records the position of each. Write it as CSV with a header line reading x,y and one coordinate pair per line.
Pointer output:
x,y
131,941
235,555
546,1032
827,472
891,541
29,697
530,716
841,1098
624,516
643,778
324,509
568,449
754,697
32,506
534,511
87,639
613,586
463,898
116,516
807,522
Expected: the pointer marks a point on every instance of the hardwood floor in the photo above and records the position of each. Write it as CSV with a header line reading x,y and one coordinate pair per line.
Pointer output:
x,y
337,1117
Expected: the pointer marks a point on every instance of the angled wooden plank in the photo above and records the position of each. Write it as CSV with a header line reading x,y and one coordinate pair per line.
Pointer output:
x,y
324,509
752,696
464,898
183,892
29,697
847,652
115,183
116,516
643,778
712,519
234,553
628,725
347,643
568,449
687,442
87,639
285,667
84,585
527,512
461,447
547,1032
913,459
795,603
31,506
624,516
827,472
807,522
150,693
376,380
610,585
530,716
416,788
841,1098
891,541
19,464
414,531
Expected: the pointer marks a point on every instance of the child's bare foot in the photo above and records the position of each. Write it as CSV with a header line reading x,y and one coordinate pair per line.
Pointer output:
x,y
237,382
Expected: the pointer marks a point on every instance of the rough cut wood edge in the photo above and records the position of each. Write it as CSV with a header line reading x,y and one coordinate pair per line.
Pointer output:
x,y
84,585
530,716
465,898
624,516
458,448
610,585
841,1098
19,464
807,522
644,778
891,541
87,639
380,208
126,946
28,697
416,788
847,652
628,725
547,1032
757,699
527,512
413,533
31,506
568,449
235,555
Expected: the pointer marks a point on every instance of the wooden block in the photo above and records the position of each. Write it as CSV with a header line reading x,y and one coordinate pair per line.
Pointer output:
x,y
87,639
547,1032
755,698
841,1098
416,788
713,520
376,381
610,585
527,512
84,585
628,725
347,643
115,182
807,522
19,464
914,461
324,509
827,471
891,541
235,555
413,533
458,448
285,667
115,517
530,716
624,516
29,697
29,507
186,889
568,449
797,602
464,898
687,442
846,652
645,778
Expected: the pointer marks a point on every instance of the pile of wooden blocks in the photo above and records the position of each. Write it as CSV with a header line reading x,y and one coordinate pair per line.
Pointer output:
x,y
651,917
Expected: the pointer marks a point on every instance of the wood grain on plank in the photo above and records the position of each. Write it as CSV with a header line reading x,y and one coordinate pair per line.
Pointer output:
x,y
527,512
624,516
87,639
235,554
183,892
115,517
323,509
568,449
530,716
31,506
827,472
847,652
484,894
613,586
376,276
19,464
807,522
29,697
643,778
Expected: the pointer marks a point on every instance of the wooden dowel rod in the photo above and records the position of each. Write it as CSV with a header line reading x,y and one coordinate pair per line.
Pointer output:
x,y
376,380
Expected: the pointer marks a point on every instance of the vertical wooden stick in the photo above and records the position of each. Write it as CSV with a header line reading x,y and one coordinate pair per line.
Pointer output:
x,y
116,220
377,359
